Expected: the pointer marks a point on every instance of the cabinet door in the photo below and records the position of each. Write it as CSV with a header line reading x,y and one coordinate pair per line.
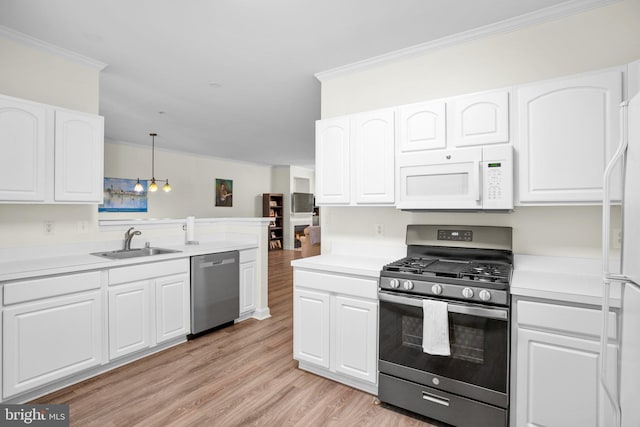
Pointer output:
x,y
79,157
557,380
421,127
247,287
172,307
373,156
567,131
480,119
49,340
22,144
311,327
355,334
129,319
333,169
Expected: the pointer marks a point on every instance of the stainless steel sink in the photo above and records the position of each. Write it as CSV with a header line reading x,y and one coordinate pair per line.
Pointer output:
x,y
134,253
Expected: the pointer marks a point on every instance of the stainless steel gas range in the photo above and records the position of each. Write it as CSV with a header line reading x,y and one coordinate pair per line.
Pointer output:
x,y
462,274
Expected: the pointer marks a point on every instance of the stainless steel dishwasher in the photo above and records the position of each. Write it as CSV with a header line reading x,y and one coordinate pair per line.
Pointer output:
x,y
215,290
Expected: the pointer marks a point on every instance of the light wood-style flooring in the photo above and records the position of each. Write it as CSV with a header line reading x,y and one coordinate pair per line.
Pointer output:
x,y
242,375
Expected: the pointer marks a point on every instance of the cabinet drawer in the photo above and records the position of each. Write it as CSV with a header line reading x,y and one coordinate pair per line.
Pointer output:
x,y
345,285
564,318
248,255
30,290
148,271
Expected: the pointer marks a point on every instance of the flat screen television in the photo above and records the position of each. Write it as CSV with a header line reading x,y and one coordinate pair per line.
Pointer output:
x,y
302,202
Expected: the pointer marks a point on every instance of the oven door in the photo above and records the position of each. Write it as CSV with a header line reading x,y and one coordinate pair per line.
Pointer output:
x,y
478,367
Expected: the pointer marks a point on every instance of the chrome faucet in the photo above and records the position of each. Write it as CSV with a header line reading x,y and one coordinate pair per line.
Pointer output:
x,y
128,236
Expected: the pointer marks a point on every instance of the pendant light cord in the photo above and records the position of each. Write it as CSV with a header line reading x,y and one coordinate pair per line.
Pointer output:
x,y
153,155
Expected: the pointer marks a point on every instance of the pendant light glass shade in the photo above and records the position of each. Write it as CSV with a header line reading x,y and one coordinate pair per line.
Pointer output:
x,y
153,187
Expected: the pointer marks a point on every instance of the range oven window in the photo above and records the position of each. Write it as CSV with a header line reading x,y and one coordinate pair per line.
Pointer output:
x,y
479,346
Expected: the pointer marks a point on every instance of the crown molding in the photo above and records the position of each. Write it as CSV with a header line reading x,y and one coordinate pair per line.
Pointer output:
x,y
540,16
50,48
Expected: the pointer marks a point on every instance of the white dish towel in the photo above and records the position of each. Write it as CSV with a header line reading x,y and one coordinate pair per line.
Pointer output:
x,y
435,328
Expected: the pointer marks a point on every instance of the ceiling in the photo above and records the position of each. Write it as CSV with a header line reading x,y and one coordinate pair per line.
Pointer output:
x,y
235,78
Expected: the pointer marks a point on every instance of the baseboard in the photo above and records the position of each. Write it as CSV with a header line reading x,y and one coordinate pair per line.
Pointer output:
x,y
261,313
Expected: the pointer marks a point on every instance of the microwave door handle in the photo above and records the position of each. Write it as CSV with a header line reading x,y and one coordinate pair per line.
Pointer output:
x,y
490,313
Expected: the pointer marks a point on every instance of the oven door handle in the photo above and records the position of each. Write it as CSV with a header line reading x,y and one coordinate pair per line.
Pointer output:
x,y
490,313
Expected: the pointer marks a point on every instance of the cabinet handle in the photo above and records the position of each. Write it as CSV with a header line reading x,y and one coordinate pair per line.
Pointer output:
x,y
478,178
435,399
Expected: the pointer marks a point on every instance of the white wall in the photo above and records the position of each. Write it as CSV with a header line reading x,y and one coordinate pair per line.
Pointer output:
x,y
41,76
595,39
192,179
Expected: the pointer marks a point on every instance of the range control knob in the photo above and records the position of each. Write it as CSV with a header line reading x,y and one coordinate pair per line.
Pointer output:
x,y
436,289
408,285
394,283
484,295
467,293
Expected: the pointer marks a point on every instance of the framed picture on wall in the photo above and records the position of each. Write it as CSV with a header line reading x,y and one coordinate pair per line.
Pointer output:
x,y
119,196
224,192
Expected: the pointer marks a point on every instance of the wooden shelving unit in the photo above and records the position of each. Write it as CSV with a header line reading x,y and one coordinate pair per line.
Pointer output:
x,y
272,207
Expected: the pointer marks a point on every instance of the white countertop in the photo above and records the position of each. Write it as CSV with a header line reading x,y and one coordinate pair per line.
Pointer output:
x,y
562,279
43,266
345,264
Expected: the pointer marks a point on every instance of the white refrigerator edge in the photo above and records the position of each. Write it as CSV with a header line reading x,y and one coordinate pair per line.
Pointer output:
x,y
623,395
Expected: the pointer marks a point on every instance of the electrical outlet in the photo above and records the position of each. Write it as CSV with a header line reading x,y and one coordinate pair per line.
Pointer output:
x,y
83,227
379,230
49,227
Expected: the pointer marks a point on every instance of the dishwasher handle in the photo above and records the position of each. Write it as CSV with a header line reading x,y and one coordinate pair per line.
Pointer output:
x,y
216,263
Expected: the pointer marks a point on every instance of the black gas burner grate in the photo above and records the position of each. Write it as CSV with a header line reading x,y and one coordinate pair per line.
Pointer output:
x,y
478,271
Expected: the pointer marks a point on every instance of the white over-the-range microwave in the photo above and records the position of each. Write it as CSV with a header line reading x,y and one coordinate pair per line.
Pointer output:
x,y
478,178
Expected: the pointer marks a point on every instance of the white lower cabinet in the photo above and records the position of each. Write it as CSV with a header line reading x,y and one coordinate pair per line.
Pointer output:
x,y
50,339
172,307
355,337
55,329
311,328
556,366
150,310
248,271
129,318
336,327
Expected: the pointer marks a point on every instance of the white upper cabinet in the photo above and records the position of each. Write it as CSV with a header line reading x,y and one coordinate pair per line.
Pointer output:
x,y
49,155
22,144
355,159
567,130
79,153
479,119
333,169
421,127
373,156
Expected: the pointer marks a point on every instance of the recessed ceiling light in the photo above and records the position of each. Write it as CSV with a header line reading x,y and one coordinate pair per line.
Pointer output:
x,y
215,85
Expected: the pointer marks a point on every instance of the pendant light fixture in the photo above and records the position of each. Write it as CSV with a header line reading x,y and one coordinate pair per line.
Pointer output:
x,y
153,187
